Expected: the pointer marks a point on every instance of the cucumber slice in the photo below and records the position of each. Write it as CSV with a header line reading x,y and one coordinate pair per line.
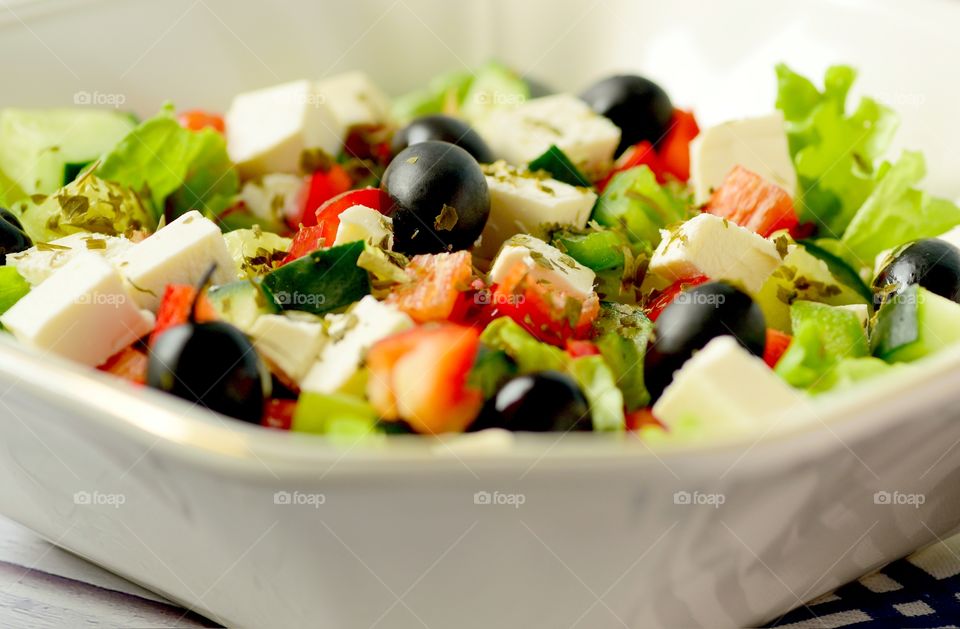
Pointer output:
x,y
915,324
824,336
240,303
494,86
334,414
38,145
558,165
320,282
840,269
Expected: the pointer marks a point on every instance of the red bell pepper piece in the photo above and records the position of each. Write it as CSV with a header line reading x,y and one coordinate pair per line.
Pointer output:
x,y
751,201
777,344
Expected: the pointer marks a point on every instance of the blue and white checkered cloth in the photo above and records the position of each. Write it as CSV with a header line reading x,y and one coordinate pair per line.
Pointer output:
x,y
922,590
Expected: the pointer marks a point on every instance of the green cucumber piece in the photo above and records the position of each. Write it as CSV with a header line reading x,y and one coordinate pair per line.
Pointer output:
x,y
914,324
558,165
824,336
840,269
38,145
335,414
12,287
241,303
494,86
320,282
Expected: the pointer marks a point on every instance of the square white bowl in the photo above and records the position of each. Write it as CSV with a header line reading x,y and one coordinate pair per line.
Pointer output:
x,y
260,528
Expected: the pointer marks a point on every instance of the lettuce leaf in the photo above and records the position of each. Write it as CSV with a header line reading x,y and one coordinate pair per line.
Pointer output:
x,y
635,201
172,168
600,388
896,213
624,333
834,153
530,354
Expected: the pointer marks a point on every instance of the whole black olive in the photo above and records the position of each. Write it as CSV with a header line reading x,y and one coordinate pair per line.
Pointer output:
x,y
932,263
637,105
442,129
538,402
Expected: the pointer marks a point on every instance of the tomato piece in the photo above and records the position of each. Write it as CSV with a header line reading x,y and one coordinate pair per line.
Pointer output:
x,y
278,413
322,186
306,240
750,201
665,297
197,120
328,214
579,348
129,363
420,376
640,154
438,280
777,343
175,309
674,150
548,314
641,418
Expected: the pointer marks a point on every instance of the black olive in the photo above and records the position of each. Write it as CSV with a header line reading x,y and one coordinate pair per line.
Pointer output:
x,y
437,195
11,218
538,402
932,263
637,105
12,237
213,365
695,317
442,129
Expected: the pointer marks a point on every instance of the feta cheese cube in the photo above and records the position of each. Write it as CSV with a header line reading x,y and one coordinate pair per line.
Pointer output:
x,y
546,264
180,253
522,202
351,336
292,344
39,262
521,134
82,312
720,249
758,144
269,129
724,390
363,223
354,99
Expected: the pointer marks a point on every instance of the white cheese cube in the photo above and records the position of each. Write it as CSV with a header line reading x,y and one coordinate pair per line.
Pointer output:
x,y
757,144
724,390
354,99
351,336
269,129
363,223
274,197
180,253
291,344
546,264
39,262
521,203
522,134
82,312
720,249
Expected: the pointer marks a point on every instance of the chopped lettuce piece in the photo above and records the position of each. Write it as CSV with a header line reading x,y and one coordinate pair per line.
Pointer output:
x,y
491,370
623,345
530,354
87,204
896,212
599,386
823,336
834,152
635,201
12,287
173,168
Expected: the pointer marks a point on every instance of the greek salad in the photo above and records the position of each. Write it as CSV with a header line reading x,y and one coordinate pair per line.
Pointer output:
x,y
479,253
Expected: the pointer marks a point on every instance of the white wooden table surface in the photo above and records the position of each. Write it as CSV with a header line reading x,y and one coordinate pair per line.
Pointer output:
x,y
43,586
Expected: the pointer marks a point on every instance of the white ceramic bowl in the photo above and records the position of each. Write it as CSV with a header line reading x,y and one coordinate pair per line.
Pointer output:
x,y
586,530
